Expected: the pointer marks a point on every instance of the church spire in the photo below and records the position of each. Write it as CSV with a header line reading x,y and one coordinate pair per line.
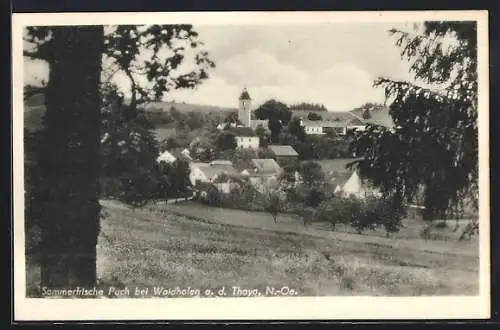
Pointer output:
x,y
244,94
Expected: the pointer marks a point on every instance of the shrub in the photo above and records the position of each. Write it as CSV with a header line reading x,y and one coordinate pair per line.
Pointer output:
x,y
208,194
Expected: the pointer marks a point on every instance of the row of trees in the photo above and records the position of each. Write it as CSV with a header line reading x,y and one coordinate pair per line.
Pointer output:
x,y
190,120
311,199
308,106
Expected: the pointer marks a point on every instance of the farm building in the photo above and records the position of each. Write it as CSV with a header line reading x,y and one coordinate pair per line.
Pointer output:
x,y
283,154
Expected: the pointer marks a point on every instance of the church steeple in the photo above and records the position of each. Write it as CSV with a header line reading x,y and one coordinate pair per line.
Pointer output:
x,y
244,95
244,109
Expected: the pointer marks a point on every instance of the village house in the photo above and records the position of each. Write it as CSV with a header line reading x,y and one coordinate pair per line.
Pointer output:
x,y
356,187
262,172
321,127
283,154
356,124
340,180
245,137
374,115
210,172
172,155
312,126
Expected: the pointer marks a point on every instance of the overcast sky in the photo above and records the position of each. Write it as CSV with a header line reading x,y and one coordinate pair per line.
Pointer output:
x,y
334,64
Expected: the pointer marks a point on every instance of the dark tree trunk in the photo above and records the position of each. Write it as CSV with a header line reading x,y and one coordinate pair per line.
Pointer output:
x,y
70,161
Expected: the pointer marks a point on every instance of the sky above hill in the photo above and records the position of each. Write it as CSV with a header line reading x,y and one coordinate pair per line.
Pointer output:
x,y
334,64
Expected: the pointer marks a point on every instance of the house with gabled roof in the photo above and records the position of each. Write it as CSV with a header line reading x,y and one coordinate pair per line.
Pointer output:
x,y
211,172
283,154
245,137
344,181
374,115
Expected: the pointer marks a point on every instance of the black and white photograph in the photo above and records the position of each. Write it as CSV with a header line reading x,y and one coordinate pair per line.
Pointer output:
x,y
246,165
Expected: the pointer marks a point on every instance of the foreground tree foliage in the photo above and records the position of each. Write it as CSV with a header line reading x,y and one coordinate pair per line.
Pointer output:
x,y
129,171
64,190
432,152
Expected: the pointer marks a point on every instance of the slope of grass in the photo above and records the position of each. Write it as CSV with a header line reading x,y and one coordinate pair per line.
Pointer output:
x,y
409,235
142,248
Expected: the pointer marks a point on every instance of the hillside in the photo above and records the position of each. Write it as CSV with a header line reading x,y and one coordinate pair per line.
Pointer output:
x,y
35,108
187,107
158,247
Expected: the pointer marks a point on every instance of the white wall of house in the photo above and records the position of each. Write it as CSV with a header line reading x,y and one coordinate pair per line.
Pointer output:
x,y
357,127
197,175
166,157
354,186
314,129
247,142
338,130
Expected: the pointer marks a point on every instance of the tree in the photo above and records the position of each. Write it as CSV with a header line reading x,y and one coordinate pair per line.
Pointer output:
x,y
309,106
296,129
310,190
226,141
129,151
273,109
434,144
263,137
232,118
278,115
274,198
175,180
275,126
314,116
66,205
311,173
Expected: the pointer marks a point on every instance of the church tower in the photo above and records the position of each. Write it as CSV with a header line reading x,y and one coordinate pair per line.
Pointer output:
x,y
244,111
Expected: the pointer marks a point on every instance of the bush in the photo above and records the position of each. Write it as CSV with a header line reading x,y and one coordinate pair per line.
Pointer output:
x,y
208,195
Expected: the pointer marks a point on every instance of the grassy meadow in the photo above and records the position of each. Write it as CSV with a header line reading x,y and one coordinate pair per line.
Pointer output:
x,y
146,247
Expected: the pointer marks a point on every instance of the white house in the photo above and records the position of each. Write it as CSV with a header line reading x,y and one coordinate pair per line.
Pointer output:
x,y
313,127
209,172
167,157
354,186
248,142
196,174
245,137
320,127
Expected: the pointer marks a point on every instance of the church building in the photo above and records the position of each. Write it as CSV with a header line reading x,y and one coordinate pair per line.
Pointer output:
x,y
245,112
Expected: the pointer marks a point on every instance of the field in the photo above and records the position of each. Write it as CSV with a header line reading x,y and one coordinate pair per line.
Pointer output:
x,y
157,247
142,247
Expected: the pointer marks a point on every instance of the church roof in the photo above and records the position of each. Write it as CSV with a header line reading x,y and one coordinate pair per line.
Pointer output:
x,y
242,131
244,95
